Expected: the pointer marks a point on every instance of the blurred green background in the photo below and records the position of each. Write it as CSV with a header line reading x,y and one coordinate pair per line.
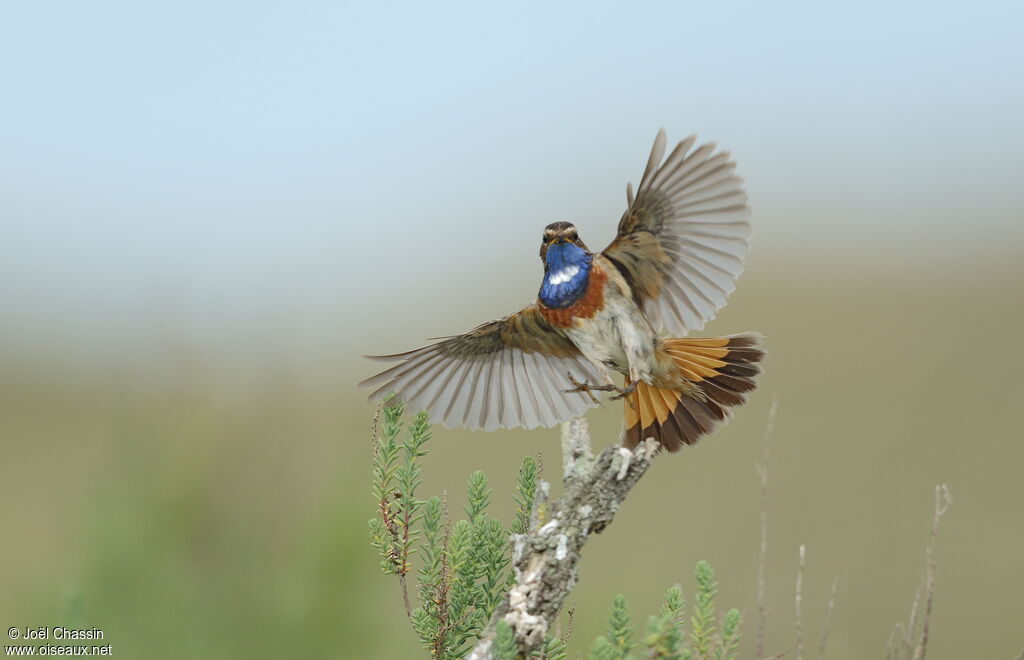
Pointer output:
x,y
208,213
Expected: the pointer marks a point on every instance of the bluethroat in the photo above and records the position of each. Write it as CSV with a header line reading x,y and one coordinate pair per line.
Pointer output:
x,y
679,249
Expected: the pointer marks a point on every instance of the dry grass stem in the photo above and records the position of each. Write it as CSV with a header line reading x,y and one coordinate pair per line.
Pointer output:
x,y
943,499
571,615
374,430
905,642
798,623
828,618
762,473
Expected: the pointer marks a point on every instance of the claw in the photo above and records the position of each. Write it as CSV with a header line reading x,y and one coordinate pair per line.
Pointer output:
x,y
580,387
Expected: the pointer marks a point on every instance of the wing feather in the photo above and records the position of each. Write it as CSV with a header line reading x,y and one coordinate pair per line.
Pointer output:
x,y
696,172
495,414
503,374
479,405
683,237
525,383
473,391
657,151
710,290
396,374
411,375
419,385
452,402
712,262
680,302
508,385
538,373
677,156
396,371
556,383
439,388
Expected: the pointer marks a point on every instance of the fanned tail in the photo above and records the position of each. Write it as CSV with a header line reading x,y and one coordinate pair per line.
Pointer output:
x,y
718,371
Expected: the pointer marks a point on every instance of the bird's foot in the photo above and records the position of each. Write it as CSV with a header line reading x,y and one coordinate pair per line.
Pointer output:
x,y
623,392
584,387
589,389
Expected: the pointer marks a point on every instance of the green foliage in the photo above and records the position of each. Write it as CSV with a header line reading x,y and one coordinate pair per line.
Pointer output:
x,y
664,636
408,478
617,644
504,642
492,556
664,632
385,533
554,649
526,488
479,496
729,641
393,533
463,566
431,550
478,561
702,623
464,596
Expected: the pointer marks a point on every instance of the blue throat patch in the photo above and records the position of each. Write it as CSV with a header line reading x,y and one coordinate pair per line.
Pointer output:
x,y
566,271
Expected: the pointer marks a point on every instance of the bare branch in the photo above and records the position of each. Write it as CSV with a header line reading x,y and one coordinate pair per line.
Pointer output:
x,y
546,558
576,453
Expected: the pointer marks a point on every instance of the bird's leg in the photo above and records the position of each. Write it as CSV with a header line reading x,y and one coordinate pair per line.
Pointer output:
x,y
623,392
607,385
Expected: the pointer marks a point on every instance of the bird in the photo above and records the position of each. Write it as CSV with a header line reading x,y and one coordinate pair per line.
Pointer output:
x,y
627,309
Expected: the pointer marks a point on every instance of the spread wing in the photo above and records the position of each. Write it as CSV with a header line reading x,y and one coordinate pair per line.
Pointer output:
x,y
682,240
503,374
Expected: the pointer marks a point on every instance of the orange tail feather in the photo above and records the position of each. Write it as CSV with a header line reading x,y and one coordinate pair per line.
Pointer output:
x,y
718,372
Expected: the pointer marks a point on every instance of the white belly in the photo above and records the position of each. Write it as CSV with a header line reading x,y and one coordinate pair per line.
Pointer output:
x,y
618,336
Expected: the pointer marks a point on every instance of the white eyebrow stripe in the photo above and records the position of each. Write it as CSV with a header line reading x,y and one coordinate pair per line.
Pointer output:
x,y
564,275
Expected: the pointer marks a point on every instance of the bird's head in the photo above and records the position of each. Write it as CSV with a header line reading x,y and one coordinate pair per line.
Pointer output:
x,y
560,236
567,264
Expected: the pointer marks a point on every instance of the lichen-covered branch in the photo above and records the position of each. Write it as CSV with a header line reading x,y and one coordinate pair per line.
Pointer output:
x,y
545,559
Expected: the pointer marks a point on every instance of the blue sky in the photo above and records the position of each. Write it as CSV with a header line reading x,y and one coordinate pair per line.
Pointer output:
x,y
218,166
